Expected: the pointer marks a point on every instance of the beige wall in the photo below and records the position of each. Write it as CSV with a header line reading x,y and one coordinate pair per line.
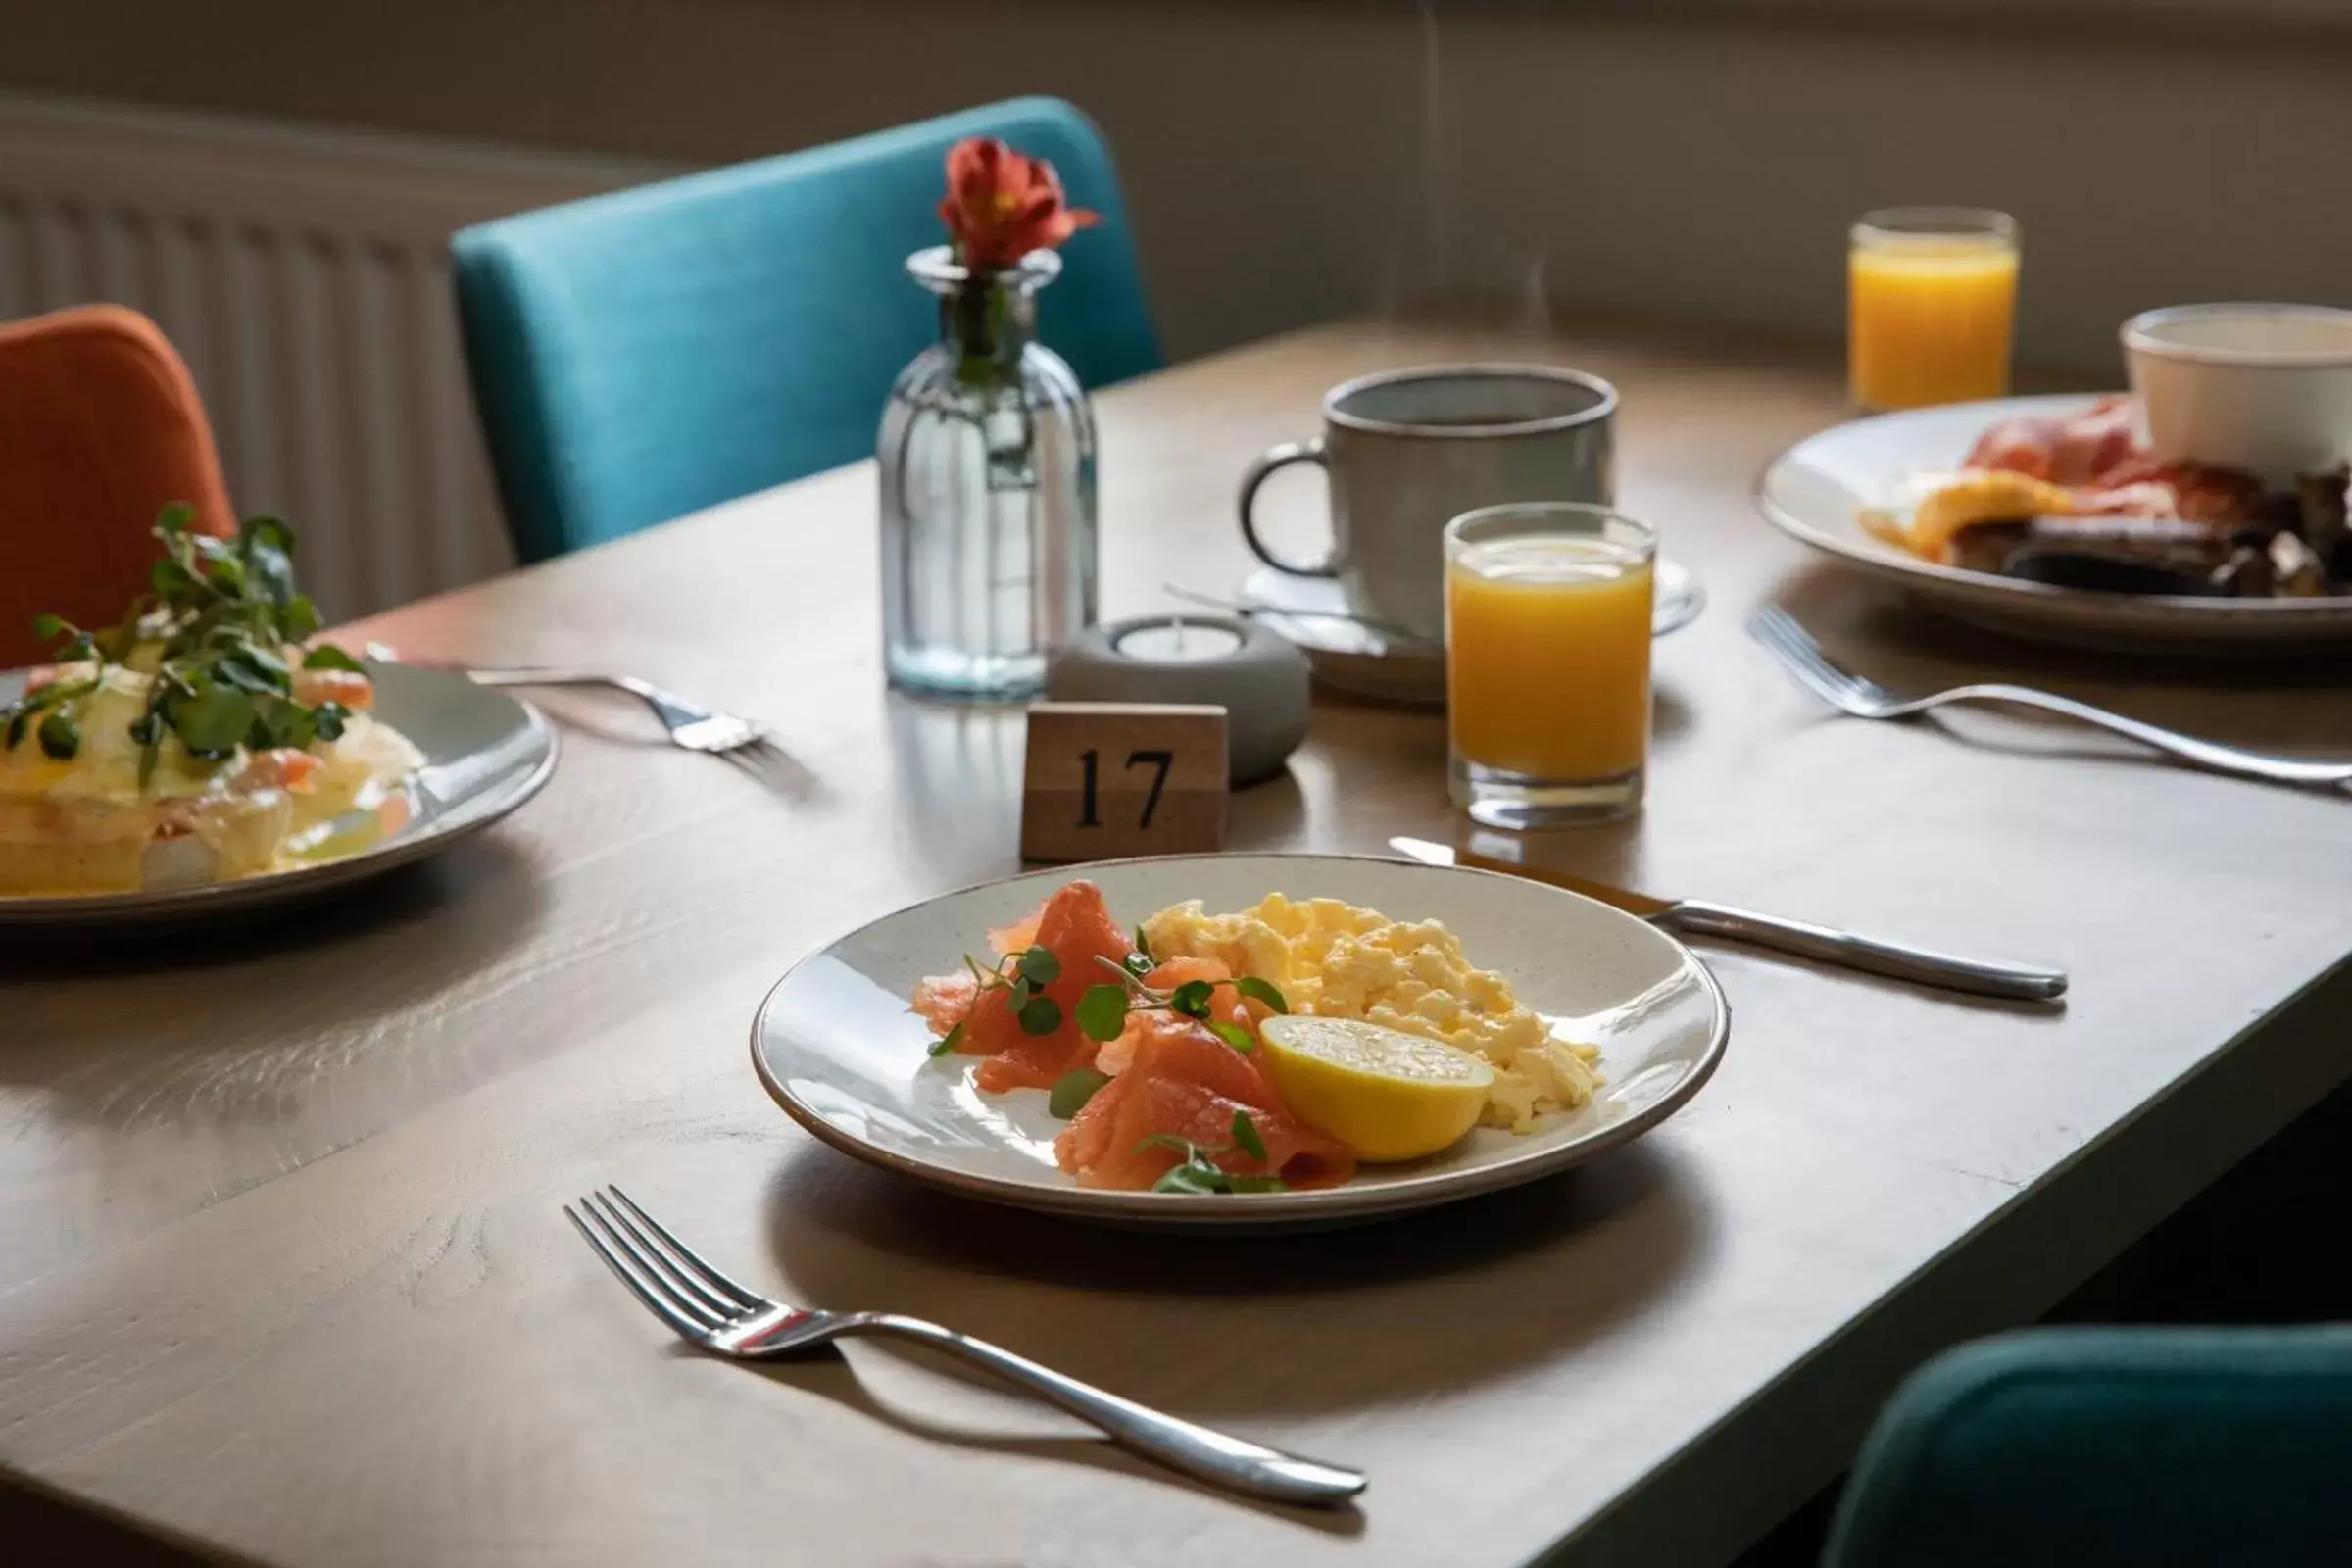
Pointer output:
x,y
1288,160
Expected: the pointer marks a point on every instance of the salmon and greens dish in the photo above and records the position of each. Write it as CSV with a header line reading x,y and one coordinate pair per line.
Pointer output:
x,y
1266,1049
204,737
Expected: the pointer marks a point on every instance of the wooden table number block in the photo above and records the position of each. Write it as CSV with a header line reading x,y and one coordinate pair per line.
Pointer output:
x,y
1111,780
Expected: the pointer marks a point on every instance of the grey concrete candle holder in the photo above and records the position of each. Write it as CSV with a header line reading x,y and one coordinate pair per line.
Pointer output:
x,y
1259,679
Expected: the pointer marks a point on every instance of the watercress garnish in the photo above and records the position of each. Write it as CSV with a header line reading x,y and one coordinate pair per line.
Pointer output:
x,y
1244,1136
1103,1013
1103,1010
1073,1090
1020,976
214,629
1198,1171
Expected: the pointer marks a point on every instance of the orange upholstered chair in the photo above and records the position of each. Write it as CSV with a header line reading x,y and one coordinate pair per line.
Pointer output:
x,y
100,428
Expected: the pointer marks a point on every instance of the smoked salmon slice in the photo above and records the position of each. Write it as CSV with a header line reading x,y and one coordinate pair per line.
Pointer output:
x,y
1185,1083
1225,1006
1076,927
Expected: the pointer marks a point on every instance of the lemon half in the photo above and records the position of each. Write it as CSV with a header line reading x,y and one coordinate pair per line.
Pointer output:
x,y
1384,1094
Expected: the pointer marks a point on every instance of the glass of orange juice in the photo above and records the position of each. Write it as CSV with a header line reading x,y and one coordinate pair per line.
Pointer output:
x,y
1930,306
1548,616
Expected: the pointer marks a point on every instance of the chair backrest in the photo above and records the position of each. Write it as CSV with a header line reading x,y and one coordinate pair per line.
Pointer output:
x,y
644,354
100,429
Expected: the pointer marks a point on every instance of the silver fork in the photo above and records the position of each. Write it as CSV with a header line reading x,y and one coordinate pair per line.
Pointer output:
x,y
715,1313
690,724
1841,689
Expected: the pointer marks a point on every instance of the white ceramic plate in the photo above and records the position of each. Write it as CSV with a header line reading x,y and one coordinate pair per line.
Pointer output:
x,y
1349,657
837,1048
1814,491
485,754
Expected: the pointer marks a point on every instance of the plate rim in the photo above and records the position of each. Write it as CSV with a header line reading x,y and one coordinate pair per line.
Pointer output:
x,y
2171,611
1212,1211
270,887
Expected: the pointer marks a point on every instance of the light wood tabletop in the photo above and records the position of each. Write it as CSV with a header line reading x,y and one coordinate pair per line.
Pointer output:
x,y
286,1272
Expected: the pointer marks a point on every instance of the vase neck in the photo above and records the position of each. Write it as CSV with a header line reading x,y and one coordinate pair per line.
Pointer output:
x,y
987,316
988,320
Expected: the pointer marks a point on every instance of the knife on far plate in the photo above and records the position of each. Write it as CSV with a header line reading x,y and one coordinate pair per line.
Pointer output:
x,y
1692,918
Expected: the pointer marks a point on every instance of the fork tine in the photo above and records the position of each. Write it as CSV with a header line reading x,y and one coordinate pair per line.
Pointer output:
x,y
657,1301
713,1276
1786,641
682,1282
1801,642
1780,631
1769,620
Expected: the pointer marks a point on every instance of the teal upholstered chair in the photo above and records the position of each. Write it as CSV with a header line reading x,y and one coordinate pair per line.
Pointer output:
x,y
643,354
2084,1447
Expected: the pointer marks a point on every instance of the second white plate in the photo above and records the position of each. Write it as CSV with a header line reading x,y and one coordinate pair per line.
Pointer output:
x,y
1815,492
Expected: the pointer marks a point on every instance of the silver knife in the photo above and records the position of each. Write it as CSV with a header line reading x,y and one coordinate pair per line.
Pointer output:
x,y
1692,918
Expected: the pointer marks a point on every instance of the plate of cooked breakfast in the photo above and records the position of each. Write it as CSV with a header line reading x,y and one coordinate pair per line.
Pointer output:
x,y
1222,1040
209,750
2052,517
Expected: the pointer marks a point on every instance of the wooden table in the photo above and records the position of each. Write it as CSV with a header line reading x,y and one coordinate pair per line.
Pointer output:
x,y
279,1209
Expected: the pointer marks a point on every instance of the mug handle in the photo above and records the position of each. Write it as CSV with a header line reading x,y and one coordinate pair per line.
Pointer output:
x,y
1259,471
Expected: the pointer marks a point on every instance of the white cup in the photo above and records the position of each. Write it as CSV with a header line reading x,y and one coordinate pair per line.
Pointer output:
x,y
2265,389
1409,450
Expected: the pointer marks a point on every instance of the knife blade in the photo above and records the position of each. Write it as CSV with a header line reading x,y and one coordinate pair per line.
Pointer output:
x,y
1893,960
1640,904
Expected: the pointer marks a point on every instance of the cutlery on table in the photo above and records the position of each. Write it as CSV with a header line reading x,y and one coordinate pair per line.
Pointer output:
x,y
1819,942
690,724
717,1315
1849,693
1250,607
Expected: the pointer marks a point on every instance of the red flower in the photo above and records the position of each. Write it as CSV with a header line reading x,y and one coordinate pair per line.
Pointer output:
x,y
1001,206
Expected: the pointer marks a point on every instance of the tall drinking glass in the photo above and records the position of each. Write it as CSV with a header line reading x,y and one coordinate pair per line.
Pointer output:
x,y
1547,632
1932,306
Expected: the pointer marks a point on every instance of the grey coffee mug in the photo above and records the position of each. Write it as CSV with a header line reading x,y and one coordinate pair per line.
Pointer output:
x,y
1409,450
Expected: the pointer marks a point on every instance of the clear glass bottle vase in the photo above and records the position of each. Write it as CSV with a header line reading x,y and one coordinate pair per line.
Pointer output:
x,y
987,456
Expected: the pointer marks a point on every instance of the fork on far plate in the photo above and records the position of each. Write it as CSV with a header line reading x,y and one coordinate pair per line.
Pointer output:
x,y
715,1313
1852,694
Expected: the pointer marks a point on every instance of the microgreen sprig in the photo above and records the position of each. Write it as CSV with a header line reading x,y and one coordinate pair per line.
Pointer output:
x,y
223,620
1104,1008
1198,1171
1022,977
1073,1090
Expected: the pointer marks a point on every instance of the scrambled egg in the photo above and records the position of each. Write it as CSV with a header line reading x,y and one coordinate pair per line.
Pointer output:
x,y
1333,960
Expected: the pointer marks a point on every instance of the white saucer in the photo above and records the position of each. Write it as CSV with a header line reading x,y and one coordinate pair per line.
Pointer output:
x,y
1365,661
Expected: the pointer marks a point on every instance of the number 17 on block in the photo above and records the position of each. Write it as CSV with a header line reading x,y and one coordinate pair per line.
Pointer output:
x,y
1109,779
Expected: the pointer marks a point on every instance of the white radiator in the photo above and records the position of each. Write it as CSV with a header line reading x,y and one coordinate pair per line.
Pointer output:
x,y
303,274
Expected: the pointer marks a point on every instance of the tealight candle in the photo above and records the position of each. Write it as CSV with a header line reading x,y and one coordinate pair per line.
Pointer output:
x,y
1258,678
1178,640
